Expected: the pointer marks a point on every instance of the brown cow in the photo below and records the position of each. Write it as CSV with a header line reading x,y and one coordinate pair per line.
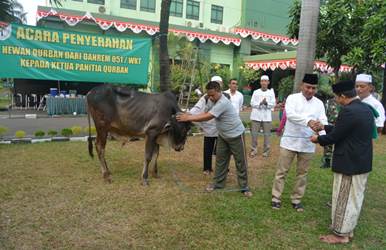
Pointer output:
x,y
125,112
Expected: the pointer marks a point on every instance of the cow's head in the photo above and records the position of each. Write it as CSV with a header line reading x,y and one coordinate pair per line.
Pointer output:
x,y
178,132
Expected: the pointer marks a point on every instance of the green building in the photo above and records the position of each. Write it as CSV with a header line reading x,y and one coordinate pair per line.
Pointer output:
x,y
225,32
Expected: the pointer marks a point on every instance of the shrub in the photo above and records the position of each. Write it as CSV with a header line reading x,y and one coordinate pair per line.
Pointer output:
x,y
39,133
20,134
66,132
3,130
52,132
286,86
76,130
93,130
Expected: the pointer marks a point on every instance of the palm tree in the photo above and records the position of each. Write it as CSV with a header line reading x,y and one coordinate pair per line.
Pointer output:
x,y
308,28
163,48
12,11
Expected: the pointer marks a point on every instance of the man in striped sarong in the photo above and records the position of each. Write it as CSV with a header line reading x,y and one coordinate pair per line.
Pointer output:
x,y
351,162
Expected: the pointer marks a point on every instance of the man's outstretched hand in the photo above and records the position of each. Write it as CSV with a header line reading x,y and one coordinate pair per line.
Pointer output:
x,y
183,117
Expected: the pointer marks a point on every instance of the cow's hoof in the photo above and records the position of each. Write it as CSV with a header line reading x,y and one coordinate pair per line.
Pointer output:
x,y
107,178
145,183
155,175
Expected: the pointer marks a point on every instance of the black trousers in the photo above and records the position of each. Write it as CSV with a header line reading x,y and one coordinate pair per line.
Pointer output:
x,y
209,150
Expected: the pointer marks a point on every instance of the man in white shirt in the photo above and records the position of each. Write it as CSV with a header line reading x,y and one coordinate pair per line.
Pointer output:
x,y
363,86
262,102
236,97
208,127
303,112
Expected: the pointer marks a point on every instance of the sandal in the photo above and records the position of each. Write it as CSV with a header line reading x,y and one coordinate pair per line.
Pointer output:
x,y
210,188
252,154
298,207
276,205
247,194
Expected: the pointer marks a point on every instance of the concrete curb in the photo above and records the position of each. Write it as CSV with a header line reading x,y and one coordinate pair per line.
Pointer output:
x,y
40,140
62,138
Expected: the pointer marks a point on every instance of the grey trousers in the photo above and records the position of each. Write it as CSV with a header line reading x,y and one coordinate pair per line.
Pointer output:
x,y
255,130
225,148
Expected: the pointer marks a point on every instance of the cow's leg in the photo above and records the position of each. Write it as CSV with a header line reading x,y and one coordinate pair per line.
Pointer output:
x,y
154,161
100,144
150,146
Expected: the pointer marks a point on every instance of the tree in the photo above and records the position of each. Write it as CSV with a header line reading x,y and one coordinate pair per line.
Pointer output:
x,y
308,27
352,32
12,11
163,48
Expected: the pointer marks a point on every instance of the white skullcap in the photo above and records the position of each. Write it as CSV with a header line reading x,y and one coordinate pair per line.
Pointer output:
x,y
216,79
363,78
264,77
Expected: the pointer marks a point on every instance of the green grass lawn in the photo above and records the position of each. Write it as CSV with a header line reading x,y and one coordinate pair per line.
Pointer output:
x,y
52,196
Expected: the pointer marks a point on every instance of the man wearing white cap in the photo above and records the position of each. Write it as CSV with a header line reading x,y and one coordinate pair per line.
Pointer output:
x,y
217,79
262,102
363,86
208,127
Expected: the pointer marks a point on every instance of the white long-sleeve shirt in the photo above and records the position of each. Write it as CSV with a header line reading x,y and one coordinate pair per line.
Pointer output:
x,y
262,112
377,105
202,106
237,100
300,111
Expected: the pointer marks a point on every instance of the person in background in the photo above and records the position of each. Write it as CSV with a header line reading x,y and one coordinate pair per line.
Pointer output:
x,y
262,102
236,97
351,162
208,127
230,139
363,85
303,110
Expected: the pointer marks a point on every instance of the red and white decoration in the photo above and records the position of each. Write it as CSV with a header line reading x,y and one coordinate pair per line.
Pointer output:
x,y
291,64
264,36
73,20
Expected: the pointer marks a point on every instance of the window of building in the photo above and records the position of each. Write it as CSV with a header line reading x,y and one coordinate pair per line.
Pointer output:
x,y
102,2
129,4
148,5
193,10
176,8
216,15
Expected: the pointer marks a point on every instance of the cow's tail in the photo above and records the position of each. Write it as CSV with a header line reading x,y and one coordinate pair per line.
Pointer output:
x,y
89,139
